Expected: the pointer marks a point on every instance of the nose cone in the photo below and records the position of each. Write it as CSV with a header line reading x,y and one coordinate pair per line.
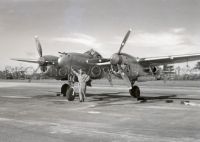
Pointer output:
x,y
115,59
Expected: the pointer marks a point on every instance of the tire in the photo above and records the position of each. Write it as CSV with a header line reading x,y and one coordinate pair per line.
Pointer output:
x,y
64,89
135,92
70,94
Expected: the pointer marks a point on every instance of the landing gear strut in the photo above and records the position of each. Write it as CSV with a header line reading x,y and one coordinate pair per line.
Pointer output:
x,y
68,92
135,91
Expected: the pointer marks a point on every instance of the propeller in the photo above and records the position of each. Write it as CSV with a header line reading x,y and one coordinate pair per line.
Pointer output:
x,y
32,75
109,78
115,60
124,76
38,45
42,61
108,75
116,57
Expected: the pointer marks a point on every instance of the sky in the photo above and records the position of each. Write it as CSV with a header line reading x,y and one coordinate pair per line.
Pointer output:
x,y
159,27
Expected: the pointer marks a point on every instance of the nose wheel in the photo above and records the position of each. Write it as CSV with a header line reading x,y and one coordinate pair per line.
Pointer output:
x,y
68,92
135,92
64,89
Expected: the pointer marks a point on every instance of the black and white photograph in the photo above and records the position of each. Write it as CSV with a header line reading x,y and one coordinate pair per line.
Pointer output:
x,y
99,71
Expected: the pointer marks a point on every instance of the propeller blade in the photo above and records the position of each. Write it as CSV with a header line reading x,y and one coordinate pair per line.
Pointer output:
x,y
109,77
124,76
38,45
26,60
36,70
126,79
34,73
124,41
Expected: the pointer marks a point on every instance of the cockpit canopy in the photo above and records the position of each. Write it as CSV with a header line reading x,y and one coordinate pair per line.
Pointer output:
x,y
93,54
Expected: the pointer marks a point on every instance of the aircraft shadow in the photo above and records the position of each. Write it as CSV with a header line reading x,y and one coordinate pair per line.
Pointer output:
x,y
112,98
156,97
173,97
106,98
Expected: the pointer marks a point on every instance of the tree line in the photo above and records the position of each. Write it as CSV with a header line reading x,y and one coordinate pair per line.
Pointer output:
x,y
18,72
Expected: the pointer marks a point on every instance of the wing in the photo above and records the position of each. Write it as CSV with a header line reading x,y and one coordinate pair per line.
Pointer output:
x,y
168,59
26,60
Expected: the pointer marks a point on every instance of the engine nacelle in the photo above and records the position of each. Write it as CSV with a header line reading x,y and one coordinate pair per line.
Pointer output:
x,y
43,68
95,72
154,70
51,71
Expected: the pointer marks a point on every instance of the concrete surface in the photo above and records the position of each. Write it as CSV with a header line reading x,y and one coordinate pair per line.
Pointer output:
x,y
31,112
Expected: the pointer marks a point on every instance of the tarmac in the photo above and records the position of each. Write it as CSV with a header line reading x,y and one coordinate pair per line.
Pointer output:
x,y
31,112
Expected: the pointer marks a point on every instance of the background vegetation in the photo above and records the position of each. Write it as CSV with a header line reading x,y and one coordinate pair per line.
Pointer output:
x,y
21,73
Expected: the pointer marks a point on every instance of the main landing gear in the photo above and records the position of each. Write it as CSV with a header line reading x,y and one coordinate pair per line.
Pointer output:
x,y
135,91
68,89
68,92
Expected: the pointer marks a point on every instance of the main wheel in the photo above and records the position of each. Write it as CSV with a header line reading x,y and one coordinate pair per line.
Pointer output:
x,y
70,94
64,89
135,92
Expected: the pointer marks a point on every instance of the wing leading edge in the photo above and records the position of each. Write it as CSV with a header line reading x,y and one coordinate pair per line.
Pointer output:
x,y
169,59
